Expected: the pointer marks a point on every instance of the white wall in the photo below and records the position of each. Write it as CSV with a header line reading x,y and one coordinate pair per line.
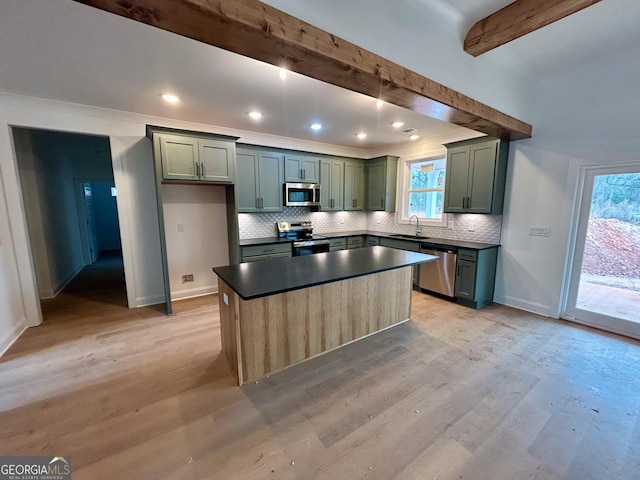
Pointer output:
x,y
133,172
202,243
588,116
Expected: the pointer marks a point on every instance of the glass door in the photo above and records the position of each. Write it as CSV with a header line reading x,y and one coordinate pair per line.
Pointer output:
x,y
604,283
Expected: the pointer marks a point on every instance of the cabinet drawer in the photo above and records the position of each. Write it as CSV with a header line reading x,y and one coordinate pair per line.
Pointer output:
x,y
468,255
271,249
337,244
372,241
354,242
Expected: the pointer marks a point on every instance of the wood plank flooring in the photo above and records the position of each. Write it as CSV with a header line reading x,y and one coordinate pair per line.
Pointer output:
x,y
453,394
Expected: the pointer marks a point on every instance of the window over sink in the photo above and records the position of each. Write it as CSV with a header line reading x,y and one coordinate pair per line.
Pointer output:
x,y
423,190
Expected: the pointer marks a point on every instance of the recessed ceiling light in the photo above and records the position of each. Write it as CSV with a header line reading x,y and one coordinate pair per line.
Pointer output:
x,y
379,103
255,115
414,137
283,73
361,135
316,126
167,97
397,124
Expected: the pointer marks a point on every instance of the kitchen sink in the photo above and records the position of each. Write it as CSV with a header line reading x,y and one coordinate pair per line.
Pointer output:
x,y
411,237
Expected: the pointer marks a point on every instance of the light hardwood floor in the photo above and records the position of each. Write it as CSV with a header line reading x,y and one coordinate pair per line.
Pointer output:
x,y
453,394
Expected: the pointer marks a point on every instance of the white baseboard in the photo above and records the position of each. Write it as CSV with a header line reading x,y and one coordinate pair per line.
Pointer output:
x,y
194,292
150,300
527,306
13,335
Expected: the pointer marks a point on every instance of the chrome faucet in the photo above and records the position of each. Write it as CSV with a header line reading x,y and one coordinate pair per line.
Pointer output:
x,y
418,229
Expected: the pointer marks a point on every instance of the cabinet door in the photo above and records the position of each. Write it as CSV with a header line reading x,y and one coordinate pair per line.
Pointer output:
x,y
456,191
270,181
310,170
179,156
247,183
353,186
337,185
465,279
482,170
325,185
217,161
293,166
376,175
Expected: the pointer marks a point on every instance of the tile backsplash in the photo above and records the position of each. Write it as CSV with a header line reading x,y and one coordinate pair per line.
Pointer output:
x,y
259,225
486,227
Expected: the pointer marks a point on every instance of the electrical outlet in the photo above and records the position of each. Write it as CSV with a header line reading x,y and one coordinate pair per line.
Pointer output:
x,y
472,227
539,231
180,227
187,278
450,225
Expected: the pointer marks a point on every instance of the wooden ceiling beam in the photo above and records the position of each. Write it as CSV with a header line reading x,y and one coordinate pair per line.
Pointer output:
x,y
261,32
518,19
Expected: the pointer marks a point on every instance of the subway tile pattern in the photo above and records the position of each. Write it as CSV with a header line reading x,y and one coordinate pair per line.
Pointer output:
x,y
486,227
259,225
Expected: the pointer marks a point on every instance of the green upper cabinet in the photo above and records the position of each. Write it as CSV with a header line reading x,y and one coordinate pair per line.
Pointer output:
x,y
381,174
476,174
354,185
331,184
195,159
260,180
301,168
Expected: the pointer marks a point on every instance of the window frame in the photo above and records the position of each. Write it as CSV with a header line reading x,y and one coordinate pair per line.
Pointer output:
x,y
405,190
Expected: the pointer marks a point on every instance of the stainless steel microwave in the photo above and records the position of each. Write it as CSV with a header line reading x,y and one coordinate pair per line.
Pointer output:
x,y
301,194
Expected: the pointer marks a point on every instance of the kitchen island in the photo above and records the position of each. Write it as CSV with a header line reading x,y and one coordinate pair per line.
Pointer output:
x,y
276,313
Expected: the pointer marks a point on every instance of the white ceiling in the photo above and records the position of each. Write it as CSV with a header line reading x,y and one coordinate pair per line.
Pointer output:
x,y
63,50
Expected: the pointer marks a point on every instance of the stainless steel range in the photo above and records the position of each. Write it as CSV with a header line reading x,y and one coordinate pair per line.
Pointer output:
x,y
304,241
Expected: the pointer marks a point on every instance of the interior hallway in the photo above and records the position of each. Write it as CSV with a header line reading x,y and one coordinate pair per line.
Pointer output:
x,y
98,286
454,394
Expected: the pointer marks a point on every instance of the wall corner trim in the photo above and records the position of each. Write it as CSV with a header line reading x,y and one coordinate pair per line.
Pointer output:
x,y
7,340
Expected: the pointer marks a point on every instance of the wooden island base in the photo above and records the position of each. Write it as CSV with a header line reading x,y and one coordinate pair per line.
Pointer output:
x,y
267,334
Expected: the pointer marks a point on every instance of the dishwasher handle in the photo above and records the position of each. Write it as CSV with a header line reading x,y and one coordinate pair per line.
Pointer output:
x,y
428,248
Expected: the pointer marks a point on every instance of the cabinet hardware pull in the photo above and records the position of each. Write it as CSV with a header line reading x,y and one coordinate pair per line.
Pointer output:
x,y
304,174
382,203
301,174
464,202
204,172
261,202
198,170
468,202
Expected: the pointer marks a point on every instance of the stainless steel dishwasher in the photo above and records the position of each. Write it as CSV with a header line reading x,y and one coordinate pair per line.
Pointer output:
x,y
439,276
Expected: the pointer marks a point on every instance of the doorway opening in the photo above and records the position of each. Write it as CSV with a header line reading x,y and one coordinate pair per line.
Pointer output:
x,y
70,204
604,288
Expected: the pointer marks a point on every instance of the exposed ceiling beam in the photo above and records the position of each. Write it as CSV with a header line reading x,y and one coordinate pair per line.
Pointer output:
x,y
518,19
259,31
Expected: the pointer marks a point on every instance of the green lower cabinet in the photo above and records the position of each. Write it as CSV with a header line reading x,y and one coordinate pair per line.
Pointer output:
x,y
404,245
337,244
476,276
371,241
355,242
256,253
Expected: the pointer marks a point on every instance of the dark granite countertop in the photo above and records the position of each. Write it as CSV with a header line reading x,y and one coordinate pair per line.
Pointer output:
x,y
279,275
438,242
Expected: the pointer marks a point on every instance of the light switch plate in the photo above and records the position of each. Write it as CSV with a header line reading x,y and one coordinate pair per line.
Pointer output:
x,y
450,225
537,231
225,298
